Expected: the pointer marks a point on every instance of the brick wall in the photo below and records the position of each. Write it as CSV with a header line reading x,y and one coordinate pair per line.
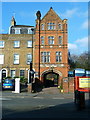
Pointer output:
x,y
68,84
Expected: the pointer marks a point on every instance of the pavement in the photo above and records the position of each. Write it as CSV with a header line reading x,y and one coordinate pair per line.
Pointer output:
x,y
46,93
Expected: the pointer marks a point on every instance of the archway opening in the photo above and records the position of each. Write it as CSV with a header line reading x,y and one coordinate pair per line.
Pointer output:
x,y
51,79
3,74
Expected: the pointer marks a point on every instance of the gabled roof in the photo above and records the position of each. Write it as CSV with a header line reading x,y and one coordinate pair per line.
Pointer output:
x,y
51,14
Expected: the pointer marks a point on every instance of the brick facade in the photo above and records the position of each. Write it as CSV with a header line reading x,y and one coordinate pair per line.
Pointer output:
x,y
61,67
51,27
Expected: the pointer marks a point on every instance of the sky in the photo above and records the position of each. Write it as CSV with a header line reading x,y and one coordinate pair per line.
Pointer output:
x,y
75,12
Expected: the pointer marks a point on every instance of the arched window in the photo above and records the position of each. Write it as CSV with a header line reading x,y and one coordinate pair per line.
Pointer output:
x,y
60,26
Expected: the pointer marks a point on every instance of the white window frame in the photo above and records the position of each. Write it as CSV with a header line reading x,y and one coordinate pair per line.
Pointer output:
x,y
29,31
1,59
29,60
16,59
29,43
17,30
2,44
16,44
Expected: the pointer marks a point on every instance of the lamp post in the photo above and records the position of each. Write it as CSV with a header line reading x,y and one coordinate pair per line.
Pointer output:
x,y
32,29
31,73
38,14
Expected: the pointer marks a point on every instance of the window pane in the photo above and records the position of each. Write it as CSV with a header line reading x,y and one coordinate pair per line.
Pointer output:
x,y
1,44
45,57
12,73
48,53
58,56
29,43
51,40
42,27
16,43
22,73
29,31
57,53
16,59
42,39
17,31
29,58
51,26
60,26
1,59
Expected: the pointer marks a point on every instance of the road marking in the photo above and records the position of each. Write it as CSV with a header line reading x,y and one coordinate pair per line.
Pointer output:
x,y
38,97
57,98
5,99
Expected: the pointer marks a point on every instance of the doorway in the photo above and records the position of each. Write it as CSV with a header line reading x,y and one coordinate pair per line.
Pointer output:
x,y
3,74
51,79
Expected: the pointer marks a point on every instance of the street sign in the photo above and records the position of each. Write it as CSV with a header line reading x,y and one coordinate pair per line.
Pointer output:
x,y
82,84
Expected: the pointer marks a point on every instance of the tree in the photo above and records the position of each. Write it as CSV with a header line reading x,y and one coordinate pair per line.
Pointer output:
x,y
80,61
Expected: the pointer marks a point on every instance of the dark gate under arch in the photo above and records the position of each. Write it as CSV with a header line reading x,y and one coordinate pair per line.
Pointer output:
x,y
50,79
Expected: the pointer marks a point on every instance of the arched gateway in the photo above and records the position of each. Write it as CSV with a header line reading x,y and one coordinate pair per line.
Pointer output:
x,y
51,78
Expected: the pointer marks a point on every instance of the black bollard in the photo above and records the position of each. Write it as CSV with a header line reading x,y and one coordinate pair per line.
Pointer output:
x,y
80,100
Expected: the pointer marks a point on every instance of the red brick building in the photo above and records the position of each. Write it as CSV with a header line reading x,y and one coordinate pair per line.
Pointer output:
x,y
51,49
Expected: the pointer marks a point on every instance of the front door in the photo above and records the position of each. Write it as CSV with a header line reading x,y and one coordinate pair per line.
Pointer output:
x,y
3,74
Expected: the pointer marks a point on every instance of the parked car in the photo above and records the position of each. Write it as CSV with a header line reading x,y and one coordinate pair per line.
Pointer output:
x,y
8,84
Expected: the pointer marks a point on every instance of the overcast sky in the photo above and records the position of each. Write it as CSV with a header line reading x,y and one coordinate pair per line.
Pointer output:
x,y
75,12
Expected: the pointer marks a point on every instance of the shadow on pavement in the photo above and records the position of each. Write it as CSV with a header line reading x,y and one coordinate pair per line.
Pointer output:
x,y
67,110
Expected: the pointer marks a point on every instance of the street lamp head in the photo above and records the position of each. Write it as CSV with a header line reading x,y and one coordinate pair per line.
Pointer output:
x,y
38,14
32,29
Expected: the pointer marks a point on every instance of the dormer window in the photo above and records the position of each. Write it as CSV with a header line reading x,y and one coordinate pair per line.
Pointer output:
x,y
17,30
29,31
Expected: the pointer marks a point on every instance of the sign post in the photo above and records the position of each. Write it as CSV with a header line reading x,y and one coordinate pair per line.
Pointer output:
x,y
81,85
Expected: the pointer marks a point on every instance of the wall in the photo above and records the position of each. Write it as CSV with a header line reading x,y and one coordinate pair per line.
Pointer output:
x,y
68,84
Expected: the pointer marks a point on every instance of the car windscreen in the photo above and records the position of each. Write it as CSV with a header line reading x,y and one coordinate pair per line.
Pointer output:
x,y
8,81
